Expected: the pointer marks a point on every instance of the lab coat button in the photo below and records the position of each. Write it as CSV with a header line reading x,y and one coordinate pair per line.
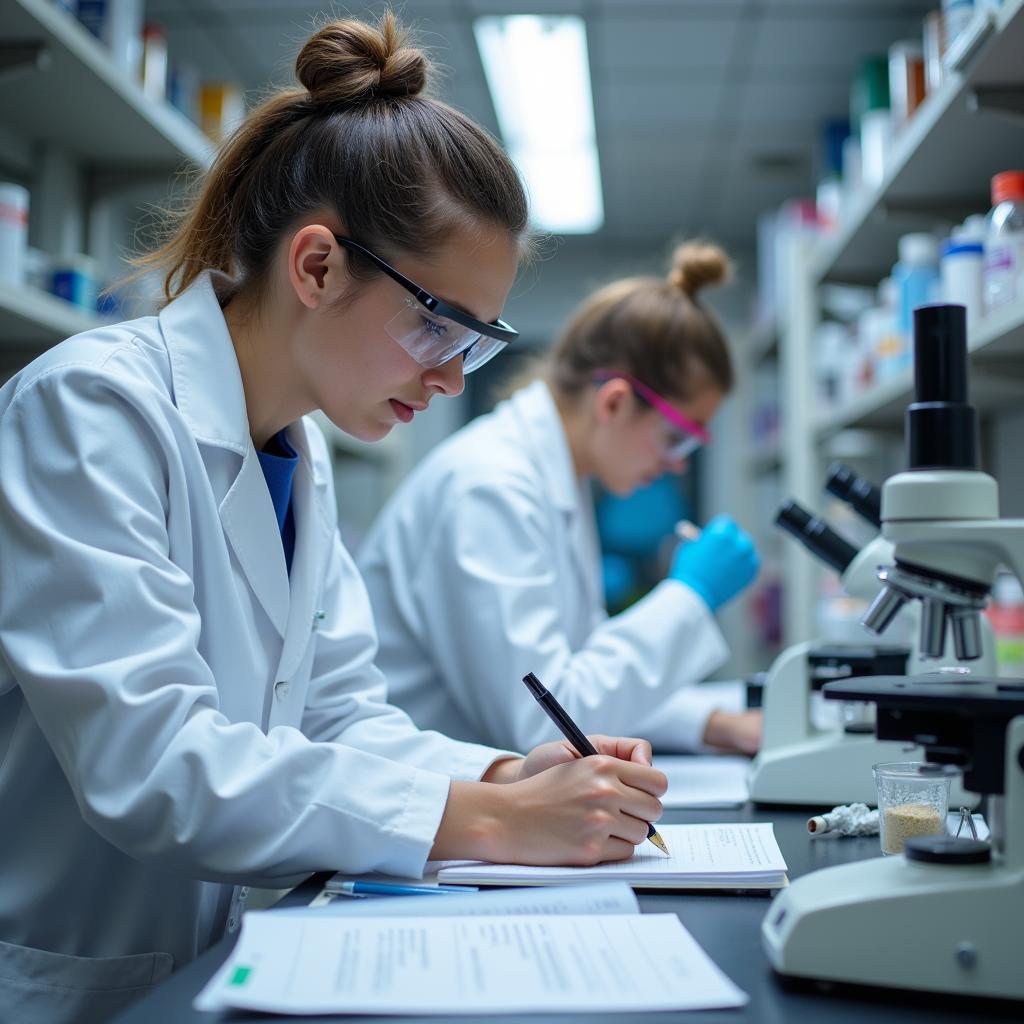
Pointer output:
x,y
282,689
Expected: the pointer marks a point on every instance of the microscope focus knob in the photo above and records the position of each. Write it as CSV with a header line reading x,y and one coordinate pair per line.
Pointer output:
x,y
947,850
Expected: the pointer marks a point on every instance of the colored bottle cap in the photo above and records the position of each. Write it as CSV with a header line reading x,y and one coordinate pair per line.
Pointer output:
x,y
1008,187
952,247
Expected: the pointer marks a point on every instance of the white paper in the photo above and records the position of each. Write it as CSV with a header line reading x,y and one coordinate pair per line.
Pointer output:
x,y
603,898
704,780
714,856
505,964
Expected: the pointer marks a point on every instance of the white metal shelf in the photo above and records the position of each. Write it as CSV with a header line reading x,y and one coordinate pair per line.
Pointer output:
x,y
940,165
31,318
998,343
81,102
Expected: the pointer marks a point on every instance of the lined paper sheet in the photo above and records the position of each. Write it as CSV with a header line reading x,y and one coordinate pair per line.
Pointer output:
x,y
738,856
603,898
712,780
317,965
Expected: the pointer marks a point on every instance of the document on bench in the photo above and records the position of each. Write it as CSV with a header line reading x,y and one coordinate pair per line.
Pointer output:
x,y
740,856
704,780
313,964
602,898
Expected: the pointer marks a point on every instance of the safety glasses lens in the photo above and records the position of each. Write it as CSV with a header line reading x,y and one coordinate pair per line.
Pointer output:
x,y
482,351
431,340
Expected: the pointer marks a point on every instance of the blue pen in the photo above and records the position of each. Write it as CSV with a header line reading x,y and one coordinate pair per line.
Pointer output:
x,y
388,889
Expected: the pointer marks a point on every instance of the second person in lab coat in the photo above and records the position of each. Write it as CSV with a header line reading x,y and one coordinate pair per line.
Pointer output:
x,y
485,565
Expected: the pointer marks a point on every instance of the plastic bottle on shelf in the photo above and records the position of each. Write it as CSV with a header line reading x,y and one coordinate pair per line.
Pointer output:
x,y
1006,613
153,65
1004,248
118,24
934,47
962,269
916,274
221,108
906,81
870,111
13,231
75,279
956,16
973,229
829,194
881,323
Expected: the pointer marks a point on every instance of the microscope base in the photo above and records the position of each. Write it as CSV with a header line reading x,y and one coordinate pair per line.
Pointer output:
x,y
832,768
898,923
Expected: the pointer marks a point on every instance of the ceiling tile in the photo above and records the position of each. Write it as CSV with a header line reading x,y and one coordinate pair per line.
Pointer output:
x,y
627,106
688,46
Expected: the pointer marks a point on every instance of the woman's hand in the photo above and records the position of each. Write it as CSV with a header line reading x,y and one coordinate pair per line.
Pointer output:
x,y
547,755
571,810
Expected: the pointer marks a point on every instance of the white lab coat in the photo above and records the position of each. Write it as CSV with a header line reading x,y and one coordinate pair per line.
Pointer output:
x,y
175,716
485,565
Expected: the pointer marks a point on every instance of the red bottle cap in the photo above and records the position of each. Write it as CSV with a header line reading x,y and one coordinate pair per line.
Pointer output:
x,y
1008,187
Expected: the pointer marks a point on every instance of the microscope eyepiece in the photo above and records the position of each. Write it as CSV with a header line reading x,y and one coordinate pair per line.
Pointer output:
x,y
816,535
861,495
941,427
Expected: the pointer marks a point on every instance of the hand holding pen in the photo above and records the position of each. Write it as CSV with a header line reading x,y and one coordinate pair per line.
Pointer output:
x,y
555,806
580,743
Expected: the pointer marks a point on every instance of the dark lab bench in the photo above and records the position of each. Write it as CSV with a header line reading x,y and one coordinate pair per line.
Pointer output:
x,y
727,926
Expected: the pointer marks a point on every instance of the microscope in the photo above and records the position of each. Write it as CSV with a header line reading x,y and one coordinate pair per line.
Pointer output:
x,y
804,761
943,916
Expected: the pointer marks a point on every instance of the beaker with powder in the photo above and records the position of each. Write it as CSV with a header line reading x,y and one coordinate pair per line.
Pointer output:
x,y
913,800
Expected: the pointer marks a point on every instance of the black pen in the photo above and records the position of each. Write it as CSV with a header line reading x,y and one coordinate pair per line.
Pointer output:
x,y
570,730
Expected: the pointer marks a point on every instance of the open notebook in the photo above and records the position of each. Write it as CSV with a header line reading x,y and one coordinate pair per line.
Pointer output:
x,y
739,856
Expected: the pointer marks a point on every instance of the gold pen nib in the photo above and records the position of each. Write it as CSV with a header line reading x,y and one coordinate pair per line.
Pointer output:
x,y
659,842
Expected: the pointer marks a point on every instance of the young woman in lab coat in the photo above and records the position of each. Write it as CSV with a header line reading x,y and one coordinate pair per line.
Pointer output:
x,y
485,564
188,698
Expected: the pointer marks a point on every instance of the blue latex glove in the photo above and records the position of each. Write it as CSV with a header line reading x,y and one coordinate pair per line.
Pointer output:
x,y
719,564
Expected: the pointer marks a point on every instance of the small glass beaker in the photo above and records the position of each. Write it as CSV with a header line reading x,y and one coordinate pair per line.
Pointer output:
x,y
913,800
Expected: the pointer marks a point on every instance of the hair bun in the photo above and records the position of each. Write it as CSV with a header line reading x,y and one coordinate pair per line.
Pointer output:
x,y
695,265
349,61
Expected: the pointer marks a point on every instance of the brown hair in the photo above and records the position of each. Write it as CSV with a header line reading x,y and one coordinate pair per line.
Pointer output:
x,y
655,329
400,169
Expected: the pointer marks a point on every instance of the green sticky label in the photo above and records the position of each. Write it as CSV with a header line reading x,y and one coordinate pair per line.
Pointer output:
x,y
241,976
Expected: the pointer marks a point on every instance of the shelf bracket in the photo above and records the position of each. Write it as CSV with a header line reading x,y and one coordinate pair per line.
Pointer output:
x,y
19,56
997,99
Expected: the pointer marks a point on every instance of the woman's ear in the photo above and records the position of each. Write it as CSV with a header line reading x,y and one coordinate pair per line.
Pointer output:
x,y
312,254
612,400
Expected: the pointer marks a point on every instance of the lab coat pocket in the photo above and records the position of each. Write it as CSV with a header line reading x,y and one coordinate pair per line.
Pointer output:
x,y
40,987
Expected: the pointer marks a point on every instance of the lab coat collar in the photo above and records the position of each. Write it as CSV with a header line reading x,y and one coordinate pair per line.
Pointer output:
x,y
209,395
549,451
535,406
207,381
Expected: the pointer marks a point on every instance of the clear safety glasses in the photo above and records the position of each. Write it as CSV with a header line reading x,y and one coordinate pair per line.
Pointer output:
x,y
686,435
432,331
